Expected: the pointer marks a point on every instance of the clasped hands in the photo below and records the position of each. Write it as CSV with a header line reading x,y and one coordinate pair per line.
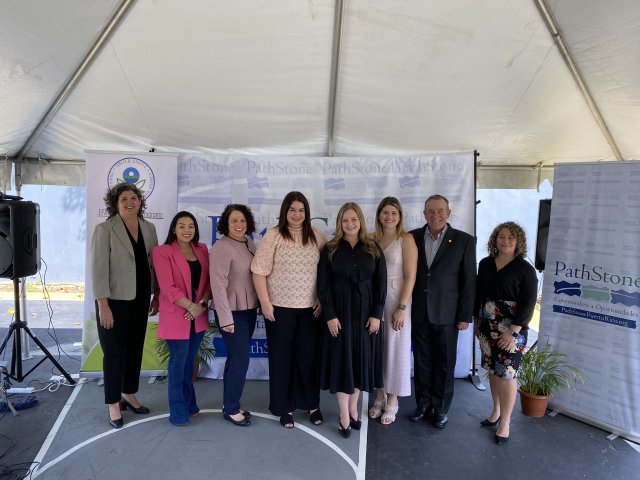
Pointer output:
x,y
193,312
334,326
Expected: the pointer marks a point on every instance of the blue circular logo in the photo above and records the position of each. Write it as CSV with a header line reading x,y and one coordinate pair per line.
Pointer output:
x,y
131,175
135,171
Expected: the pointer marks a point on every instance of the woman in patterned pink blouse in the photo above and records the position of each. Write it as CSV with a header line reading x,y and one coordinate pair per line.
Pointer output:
x,y
284,275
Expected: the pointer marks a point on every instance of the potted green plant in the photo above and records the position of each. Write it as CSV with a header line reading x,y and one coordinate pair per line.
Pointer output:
x,y
206,353
542,372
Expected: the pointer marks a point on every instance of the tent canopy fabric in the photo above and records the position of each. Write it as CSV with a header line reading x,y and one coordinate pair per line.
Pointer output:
x,y
264,77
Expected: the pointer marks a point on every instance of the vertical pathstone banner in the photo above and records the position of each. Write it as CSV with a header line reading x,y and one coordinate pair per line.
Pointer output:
x,y
591,293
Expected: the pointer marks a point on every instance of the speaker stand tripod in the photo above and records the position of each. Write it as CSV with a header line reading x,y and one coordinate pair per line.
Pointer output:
x,y
16,354
473,373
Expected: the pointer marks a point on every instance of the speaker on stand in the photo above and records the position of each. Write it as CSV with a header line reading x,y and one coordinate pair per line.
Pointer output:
x,y
19,238
20,257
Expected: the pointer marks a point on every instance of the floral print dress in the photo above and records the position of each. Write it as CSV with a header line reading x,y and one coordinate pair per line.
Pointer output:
x,y
495,318
504,297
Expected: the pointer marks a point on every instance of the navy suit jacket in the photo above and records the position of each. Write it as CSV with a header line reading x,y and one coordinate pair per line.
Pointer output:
x,y
445,291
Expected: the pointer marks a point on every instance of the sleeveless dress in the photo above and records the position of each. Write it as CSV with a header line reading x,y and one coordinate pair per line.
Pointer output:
x,y
396,352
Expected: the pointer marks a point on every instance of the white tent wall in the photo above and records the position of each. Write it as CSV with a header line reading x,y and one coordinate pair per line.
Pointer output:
x,y
255,77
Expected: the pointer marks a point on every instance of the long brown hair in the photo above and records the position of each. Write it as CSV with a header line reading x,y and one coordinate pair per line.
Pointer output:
x,y
283,226
370,246
392,202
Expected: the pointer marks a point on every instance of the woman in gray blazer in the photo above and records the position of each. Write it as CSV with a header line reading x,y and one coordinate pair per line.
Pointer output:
x,y
122,277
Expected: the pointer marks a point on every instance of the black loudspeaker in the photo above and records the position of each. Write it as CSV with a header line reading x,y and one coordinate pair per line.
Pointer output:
x,y
19,239
544,215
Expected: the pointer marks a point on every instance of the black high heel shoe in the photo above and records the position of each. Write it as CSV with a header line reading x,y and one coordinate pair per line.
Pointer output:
x,y
501,440
316,417
345,432
355,424
124,405
488,423
117,423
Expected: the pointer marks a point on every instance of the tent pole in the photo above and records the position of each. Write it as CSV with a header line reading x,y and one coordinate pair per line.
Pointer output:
x,y
338,23
71,83
552,26
474,378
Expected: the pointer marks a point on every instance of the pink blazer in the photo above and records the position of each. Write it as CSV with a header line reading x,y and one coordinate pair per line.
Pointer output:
x,y
174,278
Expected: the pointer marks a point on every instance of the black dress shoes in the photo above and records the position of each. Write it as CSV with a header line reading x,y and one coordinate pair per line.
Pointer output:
x,y
117,423
124,405
355,424
501,440
488,423
440,420
245,422
419,414
345,432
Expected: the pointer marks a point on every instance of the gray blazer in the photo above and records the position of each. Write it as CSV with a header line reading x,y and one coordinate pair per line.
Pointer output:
x,y
113,263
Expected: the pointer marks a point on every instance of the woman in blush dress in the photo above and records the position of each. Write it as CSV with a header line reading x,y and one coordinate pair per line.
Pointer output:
x,y
401,256
506,294
352,285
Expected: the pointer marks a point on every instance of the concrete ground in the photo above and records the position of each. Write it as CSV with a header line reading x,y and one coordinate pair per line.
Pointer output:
x,y
65,433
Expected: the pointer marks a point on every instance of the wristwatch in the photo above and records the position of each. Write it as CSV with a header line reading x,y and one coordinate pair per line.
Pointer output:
x,y
203,304
402,306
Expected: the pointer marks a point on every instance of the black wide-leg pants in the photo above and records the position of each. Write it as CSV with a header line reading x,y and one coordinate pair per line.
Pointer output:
x,y
293,340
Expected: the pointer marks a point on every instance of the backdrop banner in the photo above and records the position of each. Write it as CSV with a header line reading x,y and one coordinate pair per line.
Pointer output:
x,y
155,175
591,294
207,183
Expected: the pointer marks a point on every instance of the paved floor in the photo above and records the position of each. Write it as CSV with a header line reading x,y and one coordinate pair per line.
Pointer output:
x,y
66,435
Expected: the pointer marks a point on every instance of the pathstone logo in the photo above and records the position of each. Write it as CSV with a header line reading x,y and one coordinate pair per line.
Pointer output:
x,y
600,280
598,295
135,171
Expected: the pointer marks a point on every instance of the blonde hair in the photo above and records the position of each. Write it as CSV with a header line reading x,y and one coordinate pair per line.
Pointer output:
x,y
370,246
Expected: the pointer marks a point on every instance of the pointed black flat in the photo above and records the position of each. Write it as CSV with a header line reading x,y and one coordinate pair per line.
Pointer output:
x,y
488,423
245,422
124,405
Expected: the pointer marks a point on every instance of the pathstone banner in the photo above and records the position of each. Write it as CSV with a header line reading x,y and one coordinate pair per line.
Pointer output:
x,y
155,175
591,294
207,183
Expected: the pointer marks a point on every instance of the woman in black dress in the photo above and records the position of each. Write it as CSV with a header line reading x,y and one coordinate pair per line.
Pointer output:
x,y
352,286
506,295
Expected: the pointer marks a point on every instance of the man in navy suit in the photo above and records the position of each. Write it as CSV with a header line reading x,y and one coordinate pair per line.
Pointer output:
x,y
442,304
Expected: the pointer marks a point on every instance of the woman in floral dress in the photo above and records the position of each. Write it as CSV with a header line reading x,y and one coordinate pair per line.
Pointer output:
x,y
506,294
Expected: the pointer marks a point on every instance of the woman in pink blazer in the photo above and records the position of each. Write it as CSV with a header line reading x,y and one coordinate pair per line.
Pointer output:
x,y
182,270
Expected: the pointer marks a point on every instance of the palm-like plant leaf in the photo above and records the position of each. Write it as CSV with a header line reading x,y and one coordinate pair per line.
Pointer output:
x,y
544,371
206,353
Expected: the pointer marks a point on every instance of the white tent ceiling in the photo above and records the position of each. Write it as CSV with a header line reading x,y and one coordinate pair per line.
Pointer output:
x,y
256,77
